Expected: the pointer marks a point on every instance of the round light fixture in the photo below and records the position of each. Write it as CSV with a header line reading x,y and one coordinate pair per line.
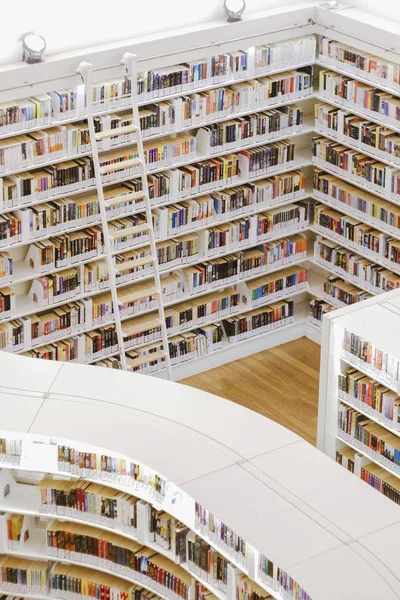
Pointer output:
x,y
234,9
33,46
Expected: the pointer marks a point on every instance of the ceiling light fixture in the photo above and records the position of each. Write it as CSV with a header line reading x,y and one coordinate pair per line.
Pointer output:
x,y
234,10
33,47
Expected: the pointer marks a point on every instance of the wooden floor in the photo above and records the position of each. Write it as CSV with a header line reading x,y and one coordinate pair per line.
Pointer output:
x,y
280,383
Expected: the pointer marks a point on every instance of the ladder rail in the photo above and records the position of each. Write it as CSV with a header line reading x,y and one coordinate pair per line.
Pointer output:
x,y
130,61
85,69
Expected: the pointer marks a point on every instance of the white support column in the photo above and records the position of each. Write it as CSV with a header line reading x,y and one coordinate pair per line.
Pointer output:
x,y
130,61
86,71
143,514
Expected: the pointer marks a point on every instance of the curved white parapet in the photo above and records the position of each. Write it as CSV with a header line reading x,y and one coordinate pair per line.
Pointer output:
x,y
333,534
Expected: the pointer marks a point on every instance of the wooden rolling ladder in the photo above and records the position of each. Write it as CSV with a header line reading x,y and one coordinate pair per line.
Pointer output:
x,y
85,69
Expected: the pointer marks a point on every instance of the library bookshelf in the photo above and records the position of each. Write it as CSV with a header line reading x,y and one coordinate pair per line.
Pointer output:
x,y
104,505
189,201
201,219
358,417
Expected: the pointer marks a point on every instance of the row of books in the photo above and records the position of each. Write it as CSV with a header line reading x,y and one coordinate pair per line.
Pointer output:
x,y
74,318
378,70
355,131
89,501
380,364
56,217
373,474
363,170
72,250
90,465
57,106
358,236
317,308
106,506
360,271
70,581
373,210
370,437
10,451
255,94
250,129
341,293
15,334
101,345
371,397
65,141
107,550
75,176
359,97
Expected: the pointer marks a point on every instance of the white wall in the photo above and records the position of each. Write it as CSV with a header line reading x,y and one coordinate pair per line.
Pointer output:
x,y
389,9
80,23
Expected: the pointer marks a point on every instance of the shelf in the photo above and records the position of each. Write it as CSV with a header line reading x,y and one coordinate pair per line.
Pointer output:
x,y
368,453
341,139
336,66
347,178
152,171
372,414
172,132
161,98
324,97
363,367
348,244
350,278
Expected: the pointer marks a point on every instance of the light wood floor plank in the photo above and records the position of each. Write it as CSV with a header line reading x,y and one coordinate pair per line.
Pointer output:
x,y
280,383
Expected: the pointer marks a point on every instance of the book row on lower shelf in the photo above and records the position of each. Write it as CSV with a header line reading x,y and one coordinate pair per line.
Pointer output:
x,y
358,270
370,437
194,76
364,171
373,474
64,216
85,314
187,339
203,277
357,132
356,235
359,97
154,546
244,232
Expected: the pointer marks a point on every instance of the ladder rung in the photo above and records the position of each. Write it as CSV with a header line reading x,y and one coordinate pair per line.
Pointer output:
x,y
128,231
151,291
125,198
131,264
142,360
119,166
132,329
107,133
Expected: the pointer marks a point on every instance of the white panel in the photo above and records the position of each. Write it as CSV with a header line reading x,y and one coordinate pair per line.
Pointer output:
x,y
144,438
18,411
267,520
193,408
341,574
27,374
328,490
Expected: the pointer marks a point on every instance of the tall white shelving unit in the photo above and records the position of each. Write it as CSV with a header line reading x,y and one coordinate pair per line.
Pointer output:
x,y
356,425
317,539
181,133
